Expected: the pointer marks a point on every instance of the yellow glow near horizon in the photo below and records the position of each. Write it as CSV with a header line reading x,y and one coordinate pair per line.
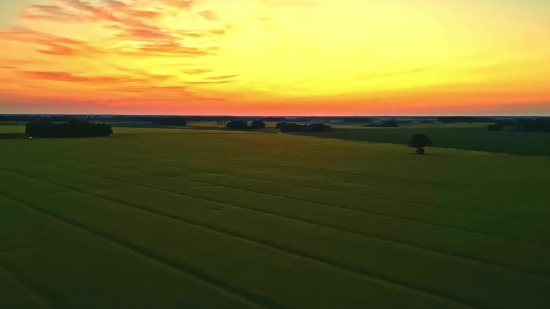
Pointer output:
x,y
276,56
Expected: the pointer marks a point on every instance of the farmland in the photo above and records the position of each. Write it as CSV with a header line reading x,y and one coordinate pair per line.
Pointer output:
x,y
204,218
457,136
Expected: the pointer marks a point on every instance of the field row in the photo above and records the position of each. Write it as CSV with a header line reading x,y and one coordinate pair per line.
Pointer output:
x,y
492,218
347,251
245,269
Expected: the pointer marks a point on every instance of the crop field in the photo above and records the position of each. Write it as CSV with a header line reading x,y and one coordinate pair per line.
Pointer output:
x,y
184,218
458,136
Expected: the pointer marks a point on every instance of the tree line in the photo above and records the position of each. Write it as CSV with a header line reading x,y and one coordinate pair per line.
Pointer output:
x,y
293,127
170,121
73,128
386,124
359,119
522,125
243,125
457,119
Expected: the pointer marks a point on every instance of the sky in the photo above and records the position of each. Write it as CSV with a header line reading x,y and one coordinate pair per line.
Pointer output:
x,y
275,57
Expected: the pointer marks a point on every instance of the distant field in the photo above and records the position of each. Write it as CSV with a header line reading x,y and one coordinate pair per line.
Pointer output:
x,y
459,136
179,218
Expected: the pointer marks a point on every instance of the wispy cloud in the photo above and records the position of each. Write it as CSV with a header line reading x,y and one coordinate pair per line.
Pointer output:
x,y
221,77
209,15
197,71
210,82
68,77
47,43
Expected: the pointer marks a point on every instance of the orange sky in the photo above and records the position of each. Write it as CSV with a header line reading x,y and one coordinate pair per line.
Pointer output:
x,y
275,57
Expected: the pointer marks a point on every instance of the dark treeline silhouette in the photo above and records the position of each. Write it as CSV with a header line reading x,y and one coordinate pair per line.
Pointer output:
x,y
73,128
457,119
243,125
505,123
427,121
303,119
522,125
294,127
273,119
257,124
36,118
170,121
237,125
533,125
360,119
386,124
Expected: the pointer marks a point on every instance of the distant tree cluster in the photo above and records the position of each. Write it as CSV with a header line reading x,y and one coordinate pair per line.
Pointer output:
x,y
427,121
36,118
243,125
237,125
505,123
533,125
495,127
294,127
170,121
73,128
357,119
273,119
522,125
257,124
457,119
386,124
302,119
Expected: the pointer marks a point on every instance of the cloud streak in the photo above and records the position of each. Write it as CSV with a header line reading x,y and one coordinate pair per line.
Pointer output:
x,y
68,77
47,43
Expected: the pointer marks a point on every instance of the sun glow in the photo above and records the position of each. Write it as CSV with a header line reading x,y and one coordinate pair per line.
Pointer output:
x,y
275,57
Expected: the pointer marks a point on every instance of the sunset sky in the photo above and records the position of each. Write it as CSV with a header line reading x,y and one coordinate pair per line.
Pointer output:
x,y
275,57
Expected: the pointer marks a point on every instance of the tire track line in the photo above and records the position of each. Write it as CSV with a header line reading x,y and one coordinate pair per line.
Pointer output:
x,y
188,271
302,200
198,274
310,201
348,174
46,298
339,160
361,234
342,192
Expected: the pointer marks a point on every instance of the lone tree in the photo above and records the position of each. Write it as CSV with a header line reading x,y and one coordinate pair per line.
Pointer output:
x,y
419,141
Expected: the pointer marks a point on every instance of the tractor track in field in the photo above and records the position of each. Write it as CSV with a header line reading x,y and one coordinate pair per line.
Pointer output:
x,y
199,275
183,269
245,237
323,179
314,202
40,293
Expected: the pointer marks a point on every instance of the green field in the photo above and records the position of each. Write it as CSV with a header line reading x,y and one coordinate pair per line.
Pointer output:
x,y
458,136
191,218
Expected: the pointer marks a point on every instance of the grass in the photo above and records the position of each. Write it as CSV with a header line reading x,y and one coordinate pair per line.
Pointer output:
x,y
171,218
